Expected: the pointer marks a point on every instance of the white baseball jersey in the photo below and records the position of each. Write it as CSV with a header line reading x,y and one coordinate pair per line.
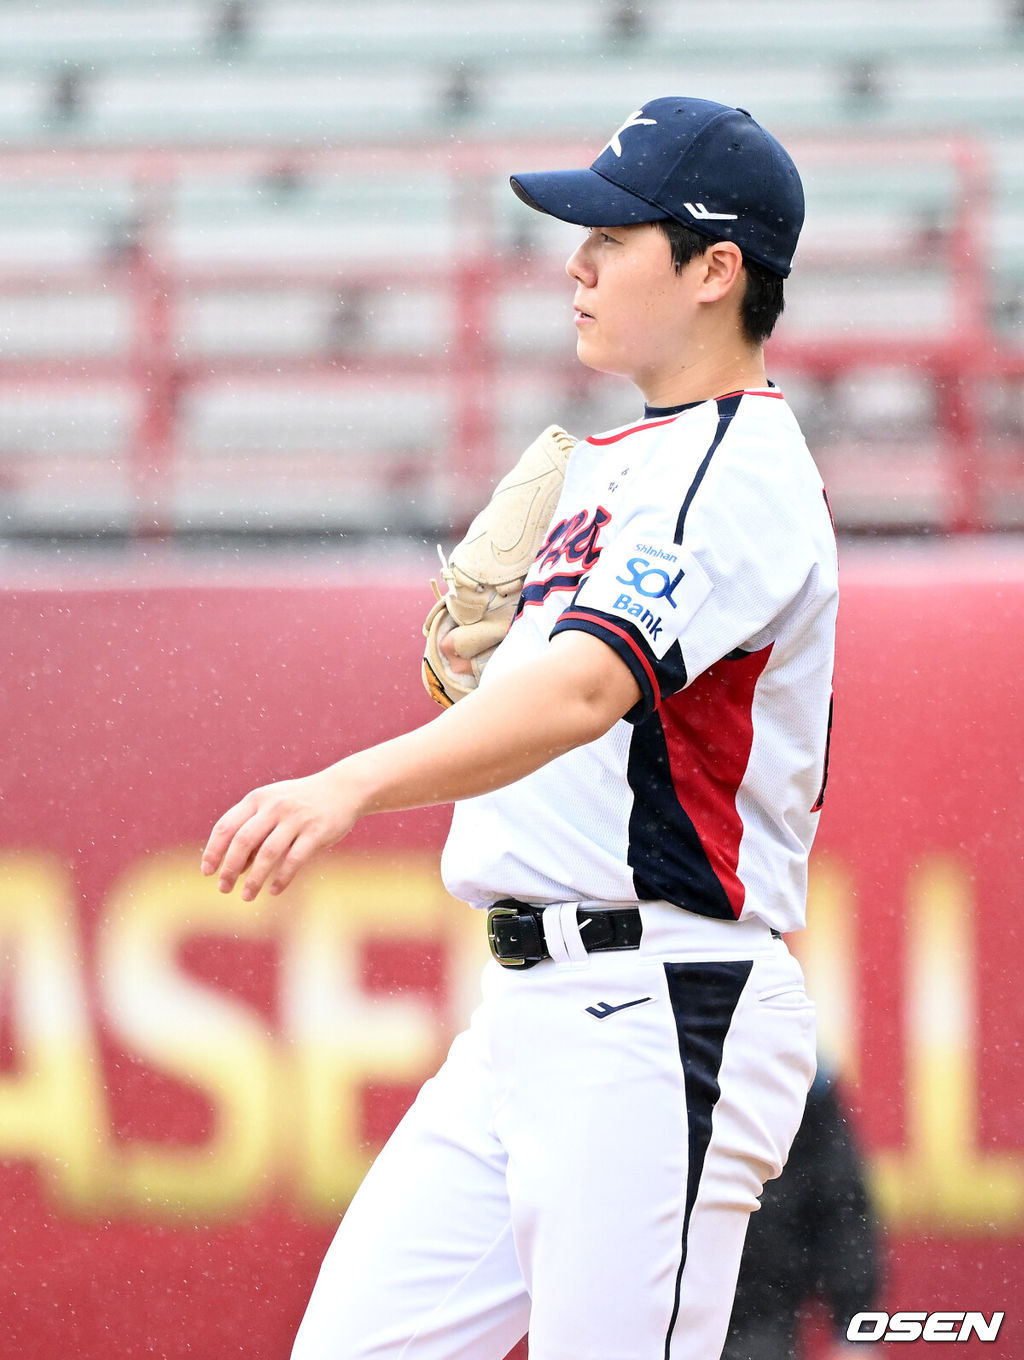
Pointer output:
x,y
698,544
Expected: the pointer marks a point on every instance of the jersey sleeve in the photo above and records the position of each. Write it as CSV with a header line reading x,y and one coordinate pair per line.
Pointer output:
x,y
703,575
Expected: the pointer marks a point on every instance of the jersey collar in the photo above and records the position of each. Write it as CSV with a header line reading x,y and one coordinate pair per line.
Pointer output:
x,y
661,412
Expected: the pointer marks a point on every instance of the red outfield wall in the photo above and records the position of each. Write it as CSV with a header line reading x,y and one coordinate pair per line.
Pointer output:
x,y
190,1088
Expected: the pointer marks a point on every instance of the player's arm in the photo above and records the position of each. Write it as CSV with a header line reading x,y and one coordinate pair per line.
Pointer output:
x,y
499,733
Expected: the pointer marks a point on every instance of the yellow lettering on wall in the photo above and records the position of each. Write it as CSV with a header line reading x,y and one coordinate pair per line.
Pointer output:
x,y
828,956
193,1032
468,952
52,1108
343,1037
941,1176
287,1107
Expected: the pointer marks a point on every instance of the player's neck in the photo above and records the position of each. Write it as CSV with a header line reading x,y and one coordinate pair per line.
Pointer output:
x,y
705,373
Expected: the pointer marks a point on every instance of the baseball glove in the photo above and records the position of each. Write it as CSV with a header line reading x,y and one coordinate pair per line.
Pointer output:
x,y
485,572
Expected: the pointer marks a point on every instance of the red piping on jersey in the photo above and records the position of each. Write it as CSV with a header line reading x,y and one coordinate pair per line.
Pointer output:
x,y
619,632
709,735
614,438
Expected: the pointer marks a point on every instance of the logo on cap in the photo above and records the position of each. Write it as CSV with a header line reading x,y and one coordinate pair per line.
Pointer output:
x,y
634,120
699,211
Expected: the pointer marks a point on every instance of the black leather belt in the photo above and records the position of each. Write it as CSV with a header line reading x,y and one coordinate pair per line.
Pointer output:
x,y
516,936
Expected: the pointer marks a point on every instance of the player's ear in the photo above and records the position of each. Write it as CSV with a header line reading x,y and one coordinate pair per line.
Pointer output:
x,y
723,265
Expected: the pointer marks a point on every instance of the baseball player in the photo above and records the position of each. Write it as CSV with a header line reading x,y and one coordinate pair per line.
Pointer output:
x,y
637,772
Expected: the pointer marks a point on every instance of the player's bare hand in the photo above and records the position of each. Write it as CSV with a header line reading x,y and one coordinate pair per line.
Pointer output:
x,y
456,664
267,837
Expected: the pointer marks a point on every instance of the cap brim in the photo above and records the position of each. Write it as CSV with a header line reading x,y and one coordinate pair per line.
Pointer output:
x,y
583,197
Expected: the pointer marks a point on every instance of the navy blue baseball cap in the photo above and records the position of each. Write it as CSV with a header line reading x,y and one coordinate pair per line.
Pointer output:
x,y
708,166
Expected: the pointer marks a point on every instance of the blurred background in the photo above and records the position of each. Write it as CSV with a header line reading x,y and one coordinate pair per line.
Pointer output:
x,y
261,272
271,325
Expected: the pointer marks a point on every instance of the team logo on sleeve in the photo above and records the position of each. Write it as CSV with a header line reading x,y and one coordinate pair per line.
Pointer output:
x,y
654,583
651,583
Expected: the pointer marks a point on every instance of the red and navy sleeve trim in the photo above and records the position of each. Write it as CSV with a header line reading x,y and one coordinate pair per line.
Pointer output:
x,y
623,640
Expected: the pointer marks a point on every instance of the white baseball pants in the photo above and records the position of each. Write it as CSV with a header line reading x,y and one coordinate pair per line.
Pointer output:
x,y
584,1164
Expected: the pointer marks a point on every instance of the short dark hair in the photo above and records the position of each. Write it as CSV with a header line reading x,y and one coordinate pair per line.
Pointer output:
x,y
763,299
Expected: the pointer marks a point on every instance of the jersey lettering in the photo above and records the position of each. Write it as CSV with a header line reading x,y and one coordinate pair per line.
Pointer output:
x,y
574,540
573,543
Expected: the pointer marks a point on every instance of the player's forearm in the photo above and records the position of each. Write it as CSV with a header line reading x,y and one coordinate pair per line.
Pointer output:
x,y
498,734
